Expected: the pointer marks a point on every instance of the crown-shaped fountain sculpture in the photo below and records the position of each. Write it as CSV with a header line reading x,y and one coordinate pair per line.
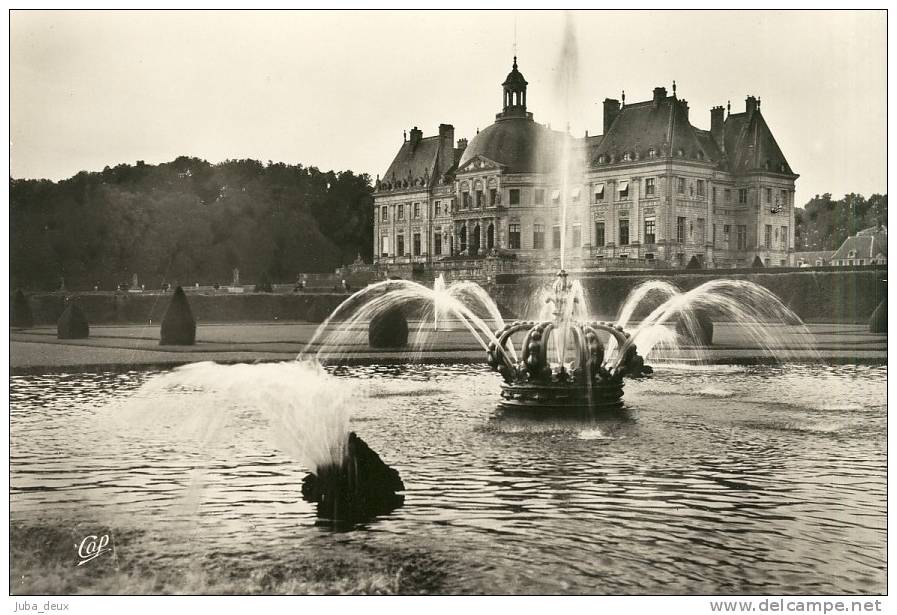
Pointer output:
x,y
566,361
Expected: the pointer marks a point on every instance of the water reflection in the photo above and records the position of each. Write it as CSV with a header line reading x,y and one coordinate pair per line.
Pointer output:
x,y
719,480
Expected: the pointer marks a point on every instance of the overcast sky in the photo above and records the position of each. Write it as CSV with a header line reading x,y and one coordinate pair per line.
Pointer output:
x,y
336,89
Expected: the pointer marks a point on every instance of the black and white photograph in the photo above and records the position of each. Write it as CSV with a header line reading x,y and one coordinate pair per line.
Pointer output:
x,y
403,302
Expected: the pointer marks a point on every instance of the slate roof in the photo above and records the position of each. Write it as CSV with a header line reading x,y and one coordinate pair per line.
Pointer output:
x,y
811,257
414,165
867,244
750,145
662,126
747,143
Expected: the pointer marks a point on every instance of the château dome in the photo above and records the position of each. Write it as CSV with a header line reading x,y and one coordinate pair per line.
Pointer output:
x,y
519,144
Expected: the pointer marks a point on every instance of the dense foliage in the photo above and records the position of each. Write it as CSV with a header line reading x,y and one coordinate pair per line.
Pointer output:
x,y
186,221
824,224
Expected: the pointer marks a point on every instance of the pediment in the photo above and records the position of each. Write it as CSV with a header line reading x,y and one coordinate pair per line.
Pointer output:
x,y
480,163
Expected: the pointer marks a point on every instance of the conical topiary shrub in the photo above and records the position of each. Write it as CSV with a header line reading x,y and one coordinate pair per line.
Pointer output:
x,y
694,263
702,335
878,323
72,325
21,311
264,284
178,324
758,263
389,329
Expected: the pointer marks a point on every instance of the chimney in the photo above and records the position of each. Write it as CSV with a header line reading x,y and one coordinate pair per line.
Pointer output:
x,y
659,94
611,111
416,135
446,145
462,144
750,105
716,124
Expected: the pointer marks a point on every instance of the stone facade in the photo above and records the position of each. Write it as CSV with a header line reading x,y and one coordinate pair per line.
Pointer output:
x,y
652,192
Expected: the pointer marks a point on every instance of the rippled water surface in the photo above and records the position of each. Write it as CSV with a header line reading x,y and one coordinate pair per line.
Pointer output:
x,y
719,479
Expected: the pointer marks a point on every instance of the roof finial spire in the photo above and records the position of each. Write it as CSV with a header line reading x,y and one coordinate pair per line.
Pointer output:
x,y
624,97
515,41
728,107
674,87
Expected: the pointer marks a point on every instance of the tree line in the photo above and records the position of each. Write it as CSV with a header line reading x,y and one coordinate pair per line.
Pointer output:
x,y
186,221
824,224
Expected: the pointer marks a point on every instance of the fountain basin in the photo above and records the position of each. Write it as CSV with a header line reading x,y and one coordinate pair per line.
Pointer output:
x,y
607,395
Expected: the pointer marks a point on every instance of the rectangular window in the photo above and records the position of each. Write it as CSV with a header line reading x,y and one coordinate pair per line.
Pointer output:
x,y
701,188
713,195
514,196
784,197
742,196
417,210
650,227
742,236
599,193
680,185
649,186
556,237
599,234
726,230
728,194
514,236
701,236
623,190
767,236
769,195
384,214
680,229
479,198
401,211
384,246
713,235
415,244
400,245
624,232
577,236
437,243
436,209
783,237
493,196
465,200
539,196
538,236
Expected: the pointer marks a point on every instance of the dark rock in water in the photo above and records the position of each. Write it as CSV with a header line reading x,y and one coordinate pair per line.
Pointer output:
x,y
389,329
702,334
178,324
72,325
359,489
878,323
758,263
21,315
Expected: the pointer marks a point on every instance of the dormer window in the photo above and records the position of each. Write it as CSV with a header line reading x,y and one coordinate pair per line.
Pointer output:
x,y
599,193
852,254
602,159
627,156
680,152
652,153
